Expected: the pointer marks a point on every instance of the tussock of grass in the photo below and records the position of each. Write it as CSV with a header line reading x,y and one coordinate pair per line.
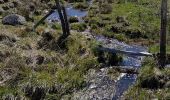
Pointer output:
x,y
60,70
150,74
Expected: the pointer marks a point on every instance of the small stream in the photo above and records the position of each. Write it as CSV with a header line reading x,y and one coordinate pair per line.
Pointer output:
x,y
70,12
125,80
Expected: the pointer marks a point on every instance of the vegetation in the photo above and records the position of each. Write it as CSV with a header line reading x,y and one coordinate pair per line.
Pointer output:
x,y
46,70
78,26
134,19
73,19
152,83
34,65
35,68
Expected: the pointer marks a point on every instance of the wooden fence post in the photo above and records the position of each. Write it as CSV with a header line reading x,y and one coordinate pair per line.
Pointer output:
x,y
162,56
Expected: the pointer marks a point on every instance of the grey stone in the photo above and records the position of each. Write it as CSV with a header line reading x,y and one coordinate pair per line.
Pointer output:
x,y
14,19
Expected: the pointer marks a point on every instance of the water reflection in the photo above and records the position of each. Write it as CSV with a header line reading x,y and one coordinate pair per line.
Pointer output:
x,y
70,12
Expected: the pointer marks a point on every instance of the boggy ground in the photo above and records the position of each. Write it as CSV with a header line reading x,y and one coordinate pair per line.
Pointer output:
x,y
136,22
152,83
32,66
130,21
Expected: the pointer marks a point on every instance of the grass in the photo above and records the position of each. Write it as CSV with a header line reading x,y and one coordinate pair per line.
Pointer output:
x,y
150,75
63,70
155,48
78,26
142,15
81,6
70,78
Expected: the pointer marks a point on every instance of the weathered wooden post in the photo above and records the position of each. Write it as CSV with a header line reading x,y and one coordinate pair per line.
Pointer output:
x,y
162,56
64,22
61,16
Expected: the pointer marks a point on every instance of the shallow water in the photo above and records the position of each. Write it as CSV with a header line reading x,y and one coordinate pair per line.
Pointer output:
x,y
125,80
70,12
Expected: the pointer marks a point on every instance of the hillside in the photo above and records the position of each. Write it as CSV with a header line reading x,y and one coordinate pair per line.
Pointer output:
x,y
35,66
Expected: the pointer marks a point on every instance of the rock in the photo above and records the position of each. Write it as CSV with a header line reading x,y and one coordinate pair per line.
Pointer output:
x,y
14,19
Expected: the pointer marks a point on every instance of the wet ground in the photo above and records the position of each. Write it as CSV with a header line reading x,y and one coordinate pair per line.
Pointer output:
x,y
105,85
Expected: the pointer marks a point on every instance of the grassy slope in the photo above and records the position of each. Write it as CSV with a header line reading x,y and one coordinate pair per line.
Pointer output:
x,y
61,72
142,16
65,68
